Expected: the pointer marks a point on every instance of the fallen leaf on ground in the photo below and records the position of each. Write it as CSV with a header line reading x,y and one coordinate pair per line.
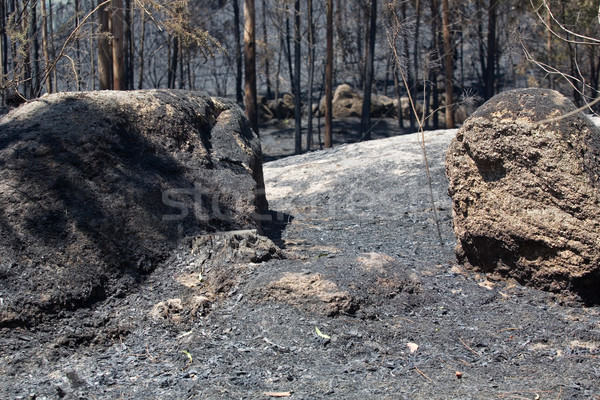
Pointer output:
x,y
278,394
412,347
322,335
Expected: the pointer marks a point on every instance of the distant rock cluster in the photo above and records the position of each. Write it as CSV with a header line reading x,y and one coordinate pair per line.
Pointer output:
x,y
347,103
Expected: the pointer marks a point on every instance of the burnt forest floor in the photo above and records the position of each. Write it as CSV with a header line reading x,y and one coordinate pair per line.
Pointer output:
x,y
367,304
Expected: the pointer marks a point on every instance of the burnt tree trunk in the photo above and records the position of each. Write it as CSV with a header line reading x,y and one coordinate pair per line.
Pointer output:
x,y
311,72
297,94
448,65
489,74
3,43
250,64
117,45
104,50
77,41
128,42
142,37
410,79
329,75
46,48
365,121
239,97
266,46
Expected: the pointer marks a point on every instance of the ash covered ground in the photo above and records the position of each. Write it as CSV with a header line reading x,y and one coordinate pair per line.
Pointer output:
x,y
367,304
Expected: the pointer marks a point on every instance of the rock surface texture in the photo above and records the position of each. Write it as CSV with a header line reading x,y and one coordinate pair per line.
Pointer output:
x,y
524,180
97,188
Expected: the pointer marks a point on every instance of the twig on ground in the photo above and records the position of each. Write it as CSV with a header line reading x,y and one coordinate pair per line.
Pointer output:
x,y
508,329
468,347
423,374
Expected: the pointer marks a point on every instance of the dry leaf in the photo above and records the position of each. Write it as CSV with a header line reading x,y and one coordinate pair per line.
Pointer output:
x,y
278,394
321,334
412,347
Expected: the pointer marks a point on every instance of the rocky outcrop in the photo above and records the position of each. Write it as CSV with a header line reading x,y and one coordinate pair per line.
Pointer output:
x,y
383,107
283,107
344,104
97,188
524,179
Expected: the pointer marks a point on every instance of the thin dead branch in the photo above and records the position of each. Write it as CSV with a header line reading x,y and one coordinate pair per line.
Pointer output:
x,y
393,36
469,347
582,38
423,374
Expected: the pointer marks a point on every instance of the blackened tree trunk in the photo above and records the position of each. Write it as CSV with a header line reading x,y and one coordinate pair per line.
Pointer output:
x,y
250,64
362,13
398,96
329,75
128,47
26,49
117,45
448,65
416,52
288,47
489,74
238,53
104,50
141,47
3,42
410,79
431,91
14,8
297,94
311,72
267,55
365,121
93,45
182,69
173,63
35,61
77,41
52,42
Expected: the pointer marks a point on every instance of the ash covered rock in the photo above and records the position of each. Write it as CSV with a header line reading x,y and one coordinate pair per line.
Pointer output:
x,y
207,269
526,199
235,246
97,188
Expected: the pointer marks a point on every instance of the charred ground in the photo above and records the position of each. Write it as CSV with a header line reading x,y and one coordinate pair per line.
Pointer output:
x,y
364,274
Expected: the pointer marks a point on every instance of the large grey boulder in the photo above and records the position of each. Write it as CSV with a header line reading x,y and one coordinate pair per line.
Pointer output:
x,y
526,198
97,188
